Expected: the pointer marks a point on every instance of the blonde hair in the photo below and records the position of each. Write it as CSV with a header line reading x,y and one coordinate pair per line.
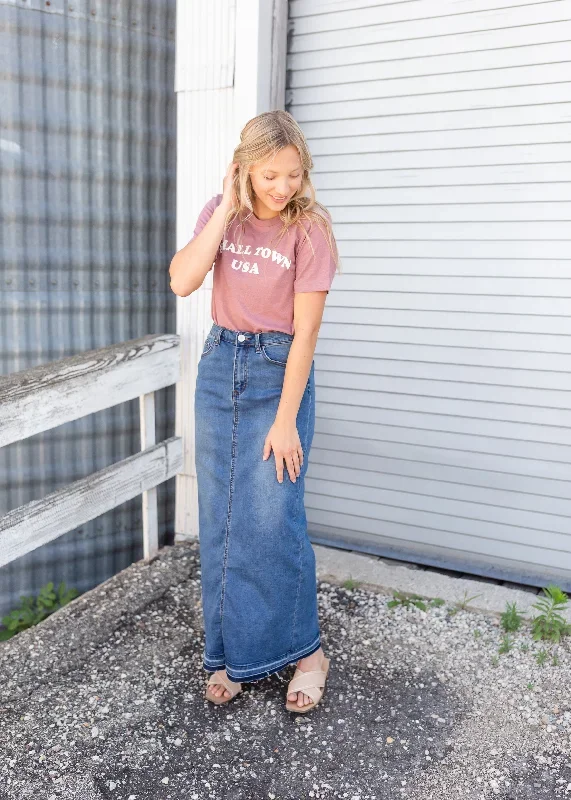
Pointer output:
x,y
261,138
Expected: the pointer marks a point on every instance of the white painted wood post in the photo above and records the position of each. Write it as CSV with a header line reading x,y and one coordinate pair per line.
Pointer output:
x,y
229,66
150,517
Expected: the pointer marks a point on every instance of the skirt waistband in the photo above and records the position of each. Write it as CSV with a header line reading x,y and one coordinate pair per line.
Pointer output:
x,y
249,338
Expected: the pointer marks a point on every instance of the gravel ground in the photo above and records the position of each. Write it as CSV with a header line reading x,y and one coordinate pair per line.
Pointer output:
x,y
104,700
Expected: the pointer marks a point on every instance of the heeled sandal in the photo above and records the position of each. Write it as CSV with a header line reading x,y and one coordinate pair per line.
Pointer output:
x,y
220,677
311,683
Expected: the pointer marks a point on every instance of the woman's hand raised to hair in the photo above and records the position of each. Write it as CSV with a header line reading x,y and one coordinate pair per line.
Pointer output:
x,y
284,440
227,191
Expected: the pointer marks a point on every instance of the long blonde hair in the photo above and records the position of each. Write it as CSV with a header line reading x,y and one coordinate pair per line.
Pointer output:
x,y
260,138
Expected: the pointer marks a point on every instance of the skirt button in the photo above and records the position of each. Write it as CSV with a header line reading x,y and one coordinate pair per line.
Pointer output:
x,y
241,337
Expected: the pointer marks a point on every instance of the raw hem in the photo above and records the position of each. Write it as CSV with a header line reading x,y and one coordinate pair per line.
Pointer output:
x,y
257,673
212,666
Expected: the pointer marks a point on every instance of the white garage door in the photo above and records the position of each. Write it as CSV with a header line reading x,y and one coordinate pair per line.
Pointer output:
x,y
441,135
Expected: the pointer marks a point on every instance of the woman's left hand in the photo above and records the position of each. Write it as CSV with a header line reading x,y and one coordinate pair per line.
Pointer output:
x,y
284,440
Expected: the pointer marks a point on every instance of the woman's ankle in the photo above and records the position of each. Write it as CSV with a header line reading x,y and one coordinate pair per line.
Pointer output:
x,y
316,656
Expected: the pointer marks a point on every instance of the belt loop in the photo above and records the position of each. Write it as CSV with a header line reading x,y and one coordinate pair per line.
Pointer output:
x,y
257,335
217,334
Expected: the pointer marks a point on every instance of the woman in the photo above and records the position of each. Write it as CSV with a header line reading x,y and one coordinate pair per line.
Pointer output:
x,y
274,260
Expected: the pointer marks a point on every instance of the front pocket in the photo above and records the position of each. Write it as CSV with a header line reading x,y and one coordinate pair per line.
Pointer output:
x,y
276,353
207,347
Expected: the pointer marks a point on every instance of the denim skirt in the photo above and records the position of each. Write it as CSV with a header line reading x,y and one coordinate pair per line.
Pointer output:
x,y
258,581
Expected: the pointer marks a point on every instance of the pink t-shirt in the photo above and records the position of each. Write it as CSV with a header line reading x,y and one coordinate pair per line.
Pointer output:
x,y
255,278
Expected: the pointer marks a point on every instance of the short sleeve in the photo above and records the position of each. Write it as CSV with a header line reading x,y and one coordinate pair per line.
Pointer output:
x,y
205,215
315,272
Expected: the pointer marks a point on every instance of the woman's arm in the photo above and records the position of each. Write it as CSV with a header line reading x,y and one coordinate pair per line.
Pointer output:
x,y
283,436
189,266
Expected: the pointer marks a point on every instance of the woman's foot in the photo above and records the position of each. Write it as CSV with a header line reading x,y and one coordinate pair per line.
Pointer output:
x,y
218,689
307,664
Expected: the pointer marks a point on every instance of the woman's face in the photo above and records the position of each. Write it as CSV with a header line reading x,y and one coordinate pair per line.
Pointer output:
x,y
276,180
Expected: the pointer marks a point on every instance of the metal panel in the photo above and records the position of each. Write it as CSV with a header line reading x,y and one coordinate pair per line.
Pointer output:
x,y
87,196
441,147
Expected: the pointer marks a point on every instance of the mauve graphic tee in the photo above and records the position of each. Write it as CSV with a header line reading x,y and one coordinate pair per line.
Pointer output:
x,y
256,275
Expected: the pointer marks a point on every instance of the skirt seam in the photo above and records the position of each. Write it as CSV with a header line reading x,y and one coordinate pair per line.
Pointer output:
x,y
298,495
230,494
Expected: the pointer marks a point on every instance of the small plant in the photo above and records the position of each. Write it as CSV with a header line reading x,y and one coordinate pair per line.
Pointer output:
x,y
436,602
33,610
530,686
555,660
511,619
541,657
550,624
524,647
506,645
351,583
495,661
400,599
477,633
462,604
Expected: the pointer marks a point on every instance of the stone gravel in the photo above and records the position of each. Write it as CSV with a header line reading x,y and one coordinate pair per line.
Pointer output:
x,y
104,699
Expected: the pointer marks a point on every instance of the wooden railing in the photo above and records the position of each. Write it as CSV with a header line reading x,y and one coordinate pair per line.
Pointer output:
x,y
48,395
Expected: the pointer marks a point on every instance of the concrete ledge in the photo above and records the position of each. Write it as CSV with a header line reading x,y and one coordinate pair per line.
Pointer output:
x,y
336,566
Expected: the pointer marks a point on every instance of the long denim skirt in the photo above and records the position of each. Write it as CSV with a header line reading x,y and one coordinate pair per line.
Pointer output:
x,y
258,582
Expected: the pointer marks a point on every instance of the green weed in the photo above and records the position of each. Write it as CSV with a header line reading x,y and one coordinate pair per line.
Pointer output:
x,y
511,619
400,599
462,605
506,645
550,623
34,610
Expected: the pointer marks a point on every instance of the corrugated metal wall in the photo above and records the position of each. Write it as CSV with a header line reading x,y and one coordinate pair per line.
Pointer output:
x,y
441,137
87,196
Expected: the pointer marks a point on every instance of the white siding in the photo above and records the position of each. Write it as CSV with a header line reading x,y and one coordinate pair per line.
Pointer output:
x,y
441,136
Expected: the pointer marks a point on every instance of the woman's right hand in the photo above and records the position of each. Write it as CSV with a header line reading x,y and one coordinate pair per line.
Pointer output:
x,y
227,184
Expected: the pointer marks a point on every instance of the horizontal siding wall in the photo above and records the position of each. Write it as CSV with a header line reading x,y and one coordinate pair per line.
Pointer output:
x,y
441,137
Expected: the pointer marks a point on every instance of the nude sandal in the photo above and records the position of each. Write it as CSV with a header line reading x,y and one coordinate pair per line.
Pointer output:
x,y
220,677
311,683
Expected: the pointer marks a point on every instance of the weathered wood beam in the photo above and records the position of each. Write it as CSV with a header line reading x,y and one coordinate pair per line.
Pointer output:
x,y
40,521
48,395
